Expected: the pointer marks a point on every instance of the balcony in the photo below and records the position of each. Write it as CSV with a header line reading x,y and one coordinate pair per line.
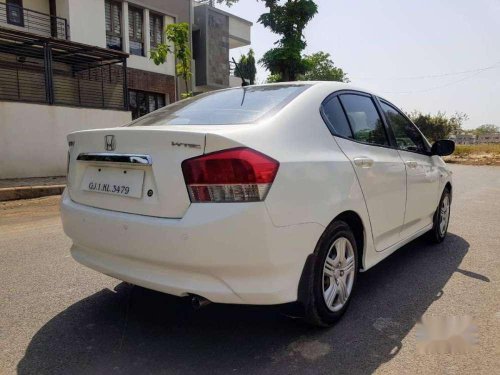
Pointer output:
x,y
44,70
18,18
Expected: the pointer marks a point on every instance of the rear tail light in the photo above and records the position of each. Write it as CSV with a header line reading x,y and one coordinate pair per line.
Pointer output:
x,y
234,175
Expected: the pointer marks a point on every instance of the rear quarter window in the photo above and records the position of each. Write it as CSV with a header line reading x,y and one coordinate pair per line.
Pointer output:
x,y
334,116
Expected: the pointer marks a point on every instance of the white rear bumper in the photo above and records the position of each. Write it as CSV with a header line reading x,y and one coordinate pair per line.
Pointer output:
x,y
227,253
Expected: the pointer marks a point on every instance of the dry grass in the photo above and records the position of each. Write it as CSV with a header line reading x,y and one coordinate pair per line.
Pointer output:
x,y
482,154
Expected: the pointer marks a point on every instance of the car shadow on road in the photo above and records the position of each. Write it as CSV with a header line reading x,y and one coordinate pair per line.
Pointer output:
x,y
134,330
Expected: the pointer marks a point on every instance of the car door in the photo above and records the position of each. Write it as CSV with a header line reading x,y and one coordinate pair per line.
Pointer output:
x,y
361,134
422,173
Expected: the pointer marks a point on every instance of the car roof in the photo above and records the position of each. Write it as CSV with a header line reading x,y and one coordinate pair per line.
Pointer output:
x,y
328,85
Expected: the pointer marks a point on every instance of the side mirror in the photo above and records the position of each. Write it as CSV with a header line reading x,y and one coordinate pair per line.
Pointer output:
x,y
443,147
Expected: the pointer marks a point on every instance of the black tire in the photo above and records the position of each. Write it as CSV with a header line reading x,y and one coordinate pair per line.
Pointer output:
x,y
316,311
436,235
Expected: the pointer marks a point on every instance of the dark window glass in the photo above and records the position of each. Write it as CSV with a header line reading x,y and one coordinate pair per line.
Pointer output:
x,y
366,124
155,29
407,135
15,14
113,16
240,105
135,31
142,103
336,117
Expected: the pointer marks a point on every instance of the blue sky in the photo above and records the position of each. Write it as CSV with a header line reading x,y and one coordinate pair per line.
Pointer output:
x,y
398,47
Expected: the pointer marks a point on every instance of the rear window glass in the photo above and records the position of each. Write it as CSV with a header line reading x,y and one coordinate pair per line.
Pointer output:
x,y
233,106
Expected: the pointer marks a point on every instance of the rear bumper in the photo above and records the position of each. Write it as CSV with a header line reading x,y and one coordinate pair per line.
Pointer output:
x,y
227,253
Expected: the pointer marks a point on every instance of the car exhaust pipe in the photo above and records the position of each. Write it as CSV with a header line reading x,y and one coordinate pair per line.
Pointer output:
x,y
198,302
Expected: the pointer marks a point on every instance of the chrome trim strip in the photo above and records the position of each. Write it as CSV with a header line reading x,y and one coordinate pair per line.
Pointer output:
x,y
106,157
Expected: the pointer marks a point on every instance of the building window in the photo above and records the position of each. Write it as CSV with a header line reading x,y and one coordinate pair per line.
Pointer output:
x,y
113,10
15,14
135,32
142,102
155,29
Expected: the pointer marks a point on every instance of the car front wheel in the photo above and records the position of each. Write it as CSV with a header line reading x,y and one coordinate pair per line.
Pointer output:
x,y
441,218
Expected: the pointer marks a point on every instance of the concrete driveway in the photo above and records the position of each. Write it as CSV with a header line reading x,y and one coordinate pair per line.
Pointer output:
x,y
59,317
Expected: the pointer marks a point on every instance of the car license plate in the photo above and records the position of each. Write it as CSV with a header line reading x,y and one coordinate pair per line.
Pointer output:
x,y
115,181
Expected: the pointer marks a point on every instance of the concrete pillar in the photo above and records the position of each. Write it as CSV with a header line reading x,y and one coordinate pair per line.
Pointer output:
x,y
145,30
125,38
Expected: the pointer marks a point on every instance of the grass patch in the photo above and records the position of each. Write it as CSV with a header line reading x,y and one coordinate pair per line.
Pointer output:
x,y
482,154
464,150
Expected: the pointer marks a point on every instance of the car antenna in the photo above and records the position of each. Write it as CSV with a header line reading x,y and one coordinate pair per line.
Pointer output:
x,y
237,68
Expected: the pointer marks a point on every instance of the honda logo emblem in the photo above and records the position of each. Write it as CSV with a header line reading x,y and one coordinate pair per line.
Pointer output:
x,y
109,142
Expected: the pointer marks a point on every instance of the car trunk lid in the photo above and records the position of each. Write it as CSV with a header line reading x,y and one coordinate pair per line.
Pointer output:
x,y
133,170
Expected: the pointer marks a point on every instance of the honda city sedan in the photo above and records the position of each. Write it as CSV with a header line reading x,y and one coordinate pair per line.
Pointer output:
x,y
264,194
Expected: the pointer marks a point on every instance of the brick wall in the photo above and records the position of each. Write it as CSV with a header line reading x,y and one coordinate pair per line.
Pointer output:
x,y
151,82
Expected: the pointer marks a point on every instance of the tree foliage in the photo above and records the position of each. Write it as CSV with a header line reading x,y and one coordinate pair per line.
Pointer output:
x,y
438,126
227,2
177,35
246,67
287,19
320,67
486,128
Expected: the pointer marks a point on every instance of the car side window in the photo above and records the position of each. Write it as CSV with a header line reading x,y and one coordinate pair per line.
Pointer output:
x,y
366,124
407,136
335,117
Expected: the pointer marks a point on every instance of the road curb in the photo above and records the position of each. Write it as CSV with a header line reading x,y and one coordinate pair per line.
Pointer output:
x,y
28,192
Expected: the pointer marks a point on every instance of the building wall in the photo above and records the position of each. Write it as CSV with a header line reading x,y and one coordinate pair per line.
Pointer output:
x,y
239,32
211,48
152,82
38,5
33,136
489,138
42,26
86,20
218,49
175,11
79,12
144,62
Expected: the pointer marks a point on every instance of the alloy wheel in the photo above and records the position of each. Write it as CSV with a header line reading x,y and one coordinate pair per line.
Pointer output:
x,y
444,215
338,274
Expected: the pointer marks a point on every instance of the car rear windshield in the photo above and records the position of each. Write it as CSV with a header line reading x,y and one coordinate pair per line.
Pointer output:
x,y
241,105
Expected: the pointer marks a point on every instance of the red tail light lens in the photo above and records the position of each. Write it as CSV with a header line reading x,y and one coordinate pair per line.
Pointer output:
x,y
234,175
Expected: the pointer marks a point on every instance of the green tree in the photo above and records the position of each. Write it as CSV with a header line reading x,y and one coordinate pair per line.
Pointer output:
x,y
246,66
227,2
273,78
486,128
438,126
288,20
320,67
177,35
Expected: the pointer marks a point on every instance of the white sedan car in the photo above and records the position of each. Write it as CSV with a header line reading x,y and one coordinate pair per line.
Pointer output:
x,y
257,195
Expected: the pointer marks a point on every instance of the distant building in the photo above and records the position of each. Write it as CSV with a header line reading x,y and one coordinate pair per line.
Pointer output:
x,y
463,139
489,138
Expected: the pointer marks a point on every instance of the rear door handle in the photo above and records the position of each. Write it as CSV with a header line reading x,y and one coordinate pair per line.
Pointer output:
x,y
363,162
411,164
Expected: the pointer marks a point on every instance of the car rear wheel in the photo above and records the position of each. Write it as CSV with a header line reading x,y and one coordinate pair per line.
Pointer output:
x,y
334,270
441,218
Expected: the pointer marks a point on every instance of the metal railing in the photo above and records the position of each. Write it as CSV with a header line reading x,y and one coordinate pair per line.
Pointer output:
x,y
12,15
29,81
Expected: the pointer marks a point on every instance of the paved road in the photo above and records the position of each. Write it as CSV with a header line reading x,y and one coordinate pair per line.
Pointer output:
x,y
59,317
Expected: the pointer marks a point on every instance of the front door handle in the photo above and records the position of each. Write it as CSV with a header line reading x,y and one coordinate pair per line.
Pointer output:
x,y
411,164
363,162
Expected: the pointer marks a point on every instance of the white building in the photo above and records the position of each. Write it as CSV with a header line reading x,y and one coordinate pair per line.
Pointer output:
x,y
489,138
463,139
67,65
